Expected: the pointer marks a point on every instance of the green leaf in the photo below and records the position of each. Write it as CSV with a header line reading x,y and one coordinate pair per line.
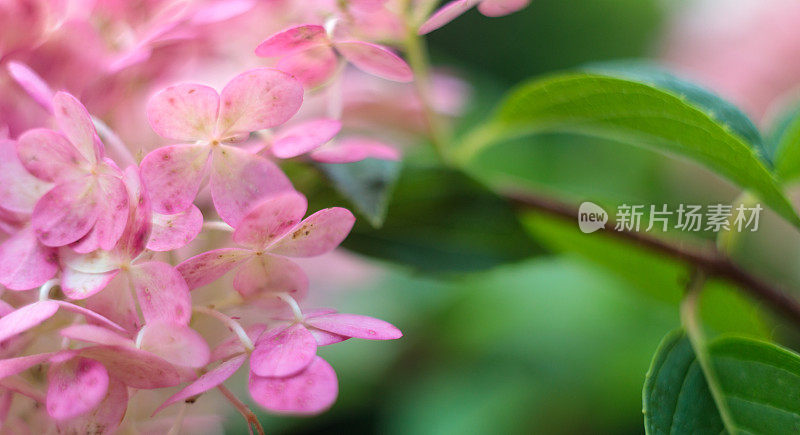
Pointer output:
x,y
785,141
441,221
634,112
758,380
367,184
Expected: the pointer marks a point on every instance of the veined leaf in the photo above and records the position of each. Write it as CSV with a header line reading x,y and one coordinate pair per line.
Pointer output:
x,y
785,141
366,184
637,113
758,380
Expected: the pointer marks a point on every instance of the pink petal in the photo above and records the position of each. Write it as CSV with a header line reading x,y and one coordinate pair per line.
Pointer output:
x,y
233,346
376,60
209,380
172,176
81,285
24,262
162,292
317,234
292,40
75,387
176,343
304,137
106,417
215,12
89,315
325,338
113,210
49,155
257,99
139,222
173,231
309,392
66,213
498,8
283,352
239,180
32,83
75,122
96,335
312,67
185,112
355,149
353,325
268,274
93,262
207,267
19,190
270,219
25,318
135,368
13,366
116,302
446,14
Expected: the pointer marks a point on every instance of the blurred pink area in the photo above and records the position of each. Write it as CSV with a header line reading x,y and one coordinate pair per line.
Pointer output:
x,y
746,50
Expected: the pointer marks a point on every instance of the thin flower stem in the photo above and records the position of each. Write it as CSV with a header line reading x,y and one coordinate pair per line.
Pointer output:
x,y
298,313
176,427
417,54
252,420
690,318
44,290
217,226
114,142
232,324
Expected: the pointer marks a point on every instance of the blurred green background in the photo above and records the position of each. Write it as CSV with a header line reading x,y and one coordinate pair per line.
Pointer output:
x,y
513,342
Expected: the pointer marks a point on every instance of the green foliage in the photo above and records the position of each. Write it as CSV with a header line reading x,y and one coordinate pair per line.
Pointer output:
x,y
367,184
637,113
758,382
785,141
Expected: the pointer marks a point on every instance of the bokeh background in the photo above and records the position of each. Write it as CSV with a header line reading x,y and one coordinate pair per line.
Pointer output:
x,y
542,331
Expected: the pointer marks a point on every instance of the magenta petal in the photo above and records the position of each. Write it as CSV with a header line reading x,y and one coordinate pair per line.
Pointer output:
x,y
135,368
139,222
89,315
172,176
25,318
291,40
93,262
116,303
376,60
265,274
355,149
270,219
325,338
75,122
50,156
257,99
173,231
75,387
209,380
239,180
353,325
13,366
176,343
24,262
233,346
96,335
81,285
19,190
317,234
207,267
66,213
113,207
106,417
309,392
162,292
32,83
446,14
283,352
186,112
304,137
312,67
498,8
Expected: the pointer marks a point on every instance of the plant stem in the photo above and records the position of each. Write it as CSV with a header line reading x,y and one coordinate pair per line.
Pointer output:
x,y
176,427
232,324
252,420
711,262
690,318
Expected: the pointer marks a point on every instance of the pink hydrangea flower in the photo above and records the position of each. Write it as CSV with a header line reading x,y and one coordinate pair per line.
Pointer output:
x,y
452,10
273,230
88,201
209,122
309,53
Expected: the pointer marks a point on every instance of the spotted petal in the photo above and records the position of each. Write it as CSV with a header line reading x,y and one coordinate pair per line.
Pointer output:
x,y
269,274
304,137
356,326
311,67
116,302
173,231
292,40
81,285
317,234
19,190
176,343
25,318
355,149
162,292
135,368
283,352
66,213
309,392
50,156
172,176
209,266
104,418
270,219
75,387
75,122
24,262
376,60
185,112
209,380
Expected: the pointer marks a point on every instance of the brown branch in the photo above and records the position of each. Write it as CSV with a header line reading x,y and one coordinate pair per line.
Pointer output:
x,y
249,416
712,262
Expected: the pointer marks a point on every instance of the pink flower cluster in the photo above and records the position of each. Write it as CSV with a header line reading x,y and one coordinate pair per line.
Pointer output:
x,y
109,240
